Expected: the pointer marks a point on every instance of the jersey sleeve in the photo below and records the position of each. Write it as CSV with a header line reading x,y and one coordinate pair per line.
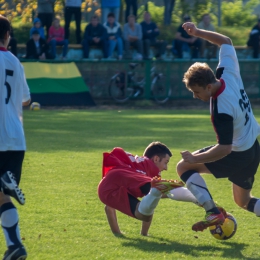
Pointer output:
x,y
228,58
223,124
120,158
26,91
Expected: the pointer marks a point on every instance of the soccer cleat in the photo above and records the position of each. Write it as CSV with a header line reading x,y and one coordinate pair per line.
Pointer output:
x,y
211,219
9,187
165,185
221,209
18,253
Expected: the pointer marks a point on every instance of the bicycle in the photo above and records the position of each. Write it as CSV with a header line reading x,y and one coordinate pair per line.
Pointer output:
x,y
122,88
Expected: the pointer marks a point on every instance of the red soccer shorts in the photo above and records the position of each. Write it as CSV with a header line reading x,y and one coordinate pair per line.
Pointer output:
x,y
114,188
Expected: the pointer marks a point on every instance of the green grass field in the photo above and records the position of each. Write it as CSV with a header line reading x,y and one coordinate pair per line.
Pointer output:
x,y
63,217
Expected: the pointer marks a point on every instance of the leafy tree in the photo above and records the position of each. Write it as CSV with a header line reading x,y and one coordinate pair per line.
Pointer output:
x,y
237,13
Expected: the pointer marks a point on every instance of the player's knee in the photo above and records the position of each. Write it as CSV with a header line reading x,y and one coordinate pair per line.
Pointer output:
x,y
180,168
4,199
241,202
146,218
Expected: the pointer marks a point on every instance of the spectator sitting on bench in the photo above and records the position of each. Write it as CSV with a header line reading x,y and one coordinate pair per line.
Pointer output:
x,y
114,36
150,32
12,45
184,41
37,25
205,24
95,35
133,37
37,48
254,39
57,38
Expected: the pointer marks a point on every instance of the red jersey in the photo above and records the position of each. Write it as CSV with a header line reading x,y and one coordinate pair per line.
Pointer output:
x,y
57,34
118,158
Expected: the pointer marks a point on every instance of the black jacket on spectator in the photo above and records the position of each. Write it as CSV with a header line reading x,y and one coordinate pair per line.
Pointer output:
x,y
147,27
97,31
91,32
254,40
31,51
12,45
183,33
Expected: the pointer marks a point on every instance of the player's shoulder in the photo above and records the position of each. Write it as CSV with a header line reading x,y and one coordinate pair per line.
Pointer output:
x,y
11,59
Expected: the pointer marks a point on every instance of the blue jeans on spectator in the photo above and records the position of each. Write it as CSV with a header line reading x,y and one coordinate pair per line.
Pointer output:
x,y
106,10
180,46
112,44
53,43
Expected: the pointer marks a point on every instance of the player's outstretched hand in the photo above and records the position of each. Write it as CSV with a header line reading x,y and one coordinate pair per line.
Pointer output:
x,y
190,28
188,157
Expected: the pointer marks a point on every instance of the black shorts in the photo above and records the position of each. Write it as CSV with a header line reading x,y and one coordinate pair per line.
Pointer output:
x,y
12,161
238,167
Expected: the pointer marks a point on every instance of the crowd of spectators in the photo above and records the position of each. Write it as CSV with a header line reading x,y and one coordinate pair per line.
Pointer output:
x,y
116,40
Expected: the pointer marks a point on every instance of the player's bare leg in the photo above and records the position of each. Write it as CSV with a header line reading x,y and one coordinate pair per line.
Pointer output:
x,y
245,200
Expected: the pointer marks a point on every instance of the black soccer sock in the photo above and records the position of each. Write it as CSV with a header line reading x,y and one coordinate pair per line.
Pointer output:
x,y
214,210
251,204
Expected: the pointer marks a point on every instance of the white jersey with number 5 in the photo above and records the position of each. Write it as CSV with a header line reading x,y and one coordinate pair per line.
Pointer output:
x,y
13,91
231,112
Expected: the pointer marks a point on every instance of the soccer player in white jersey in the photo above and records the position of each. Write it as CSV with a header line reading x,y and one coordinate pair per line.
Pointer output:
x,y
14,93
236,154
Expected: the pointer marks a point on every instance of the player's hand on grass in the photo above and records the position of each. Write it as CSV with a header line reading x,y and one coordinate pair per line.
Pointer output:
x,y
188,157
190,28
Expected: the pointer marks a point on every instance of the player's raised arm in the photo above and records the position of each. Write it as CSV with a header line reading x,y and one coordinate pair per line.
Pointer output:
x,y
213,37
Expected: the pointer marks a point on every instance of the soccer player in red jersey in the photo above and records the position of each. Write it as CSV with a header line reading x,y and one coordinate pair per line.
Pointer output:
x,y
127,177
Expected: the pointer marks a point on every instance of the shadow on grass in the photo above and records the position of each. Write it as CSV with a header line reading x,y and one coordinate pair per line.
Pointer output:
x,y
232,250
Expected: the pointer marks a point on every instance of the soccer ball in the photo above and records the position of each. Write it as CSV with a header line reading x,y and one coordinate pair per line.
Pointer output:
x,y
226,230
35,106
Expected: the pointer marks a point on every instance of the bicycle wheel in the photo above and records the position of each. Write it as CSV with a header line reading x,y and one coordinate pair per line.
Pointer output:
x,y
160,92
118,91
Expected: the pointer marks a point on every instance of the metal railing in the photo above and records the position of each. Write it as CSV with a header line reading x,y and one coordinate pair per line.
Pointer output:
x,y
97,75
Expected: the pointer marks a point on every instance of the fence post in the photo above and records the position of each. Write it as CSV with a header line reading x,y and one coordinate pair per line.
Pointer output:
x,y
147,90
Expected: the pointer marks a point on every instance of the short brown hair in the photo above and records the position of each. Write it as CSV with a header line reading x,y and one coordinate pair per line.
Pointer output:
x,y
157,148
4,27
199,74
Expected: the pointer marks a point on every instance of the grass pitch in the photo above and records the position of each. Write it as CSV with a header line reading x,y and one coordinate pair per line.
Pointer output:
x,y
63,217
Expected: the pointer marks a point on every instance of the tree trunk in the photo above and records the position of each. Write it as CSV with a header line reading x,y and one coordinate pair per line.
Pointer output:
x,y
168,8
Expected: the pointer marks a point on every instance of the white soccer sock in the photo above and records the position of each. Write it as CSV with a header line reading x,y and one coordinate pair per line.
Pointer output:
x,y
9,222
182,194
149,202
198,188
257,208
